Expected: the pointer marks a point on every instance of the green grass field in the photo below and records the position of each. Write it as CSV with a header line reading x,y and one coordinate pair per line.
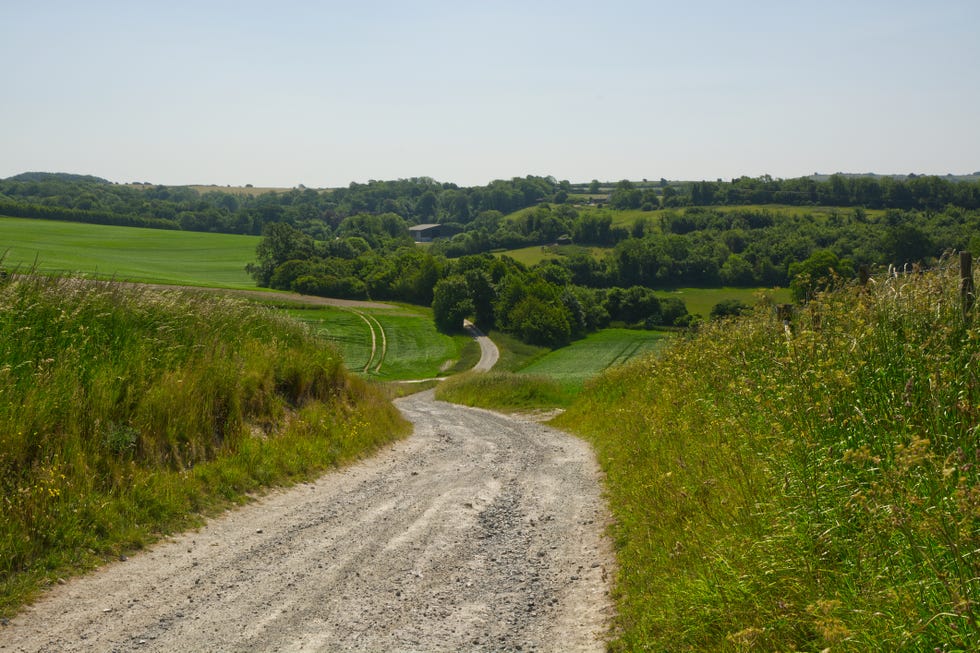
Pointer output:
x,y
128,253
700,301
575,364
405,342
536,253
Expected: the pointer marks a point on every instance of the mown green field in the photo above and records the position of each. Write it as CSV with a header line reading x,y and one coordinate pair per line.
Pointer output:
x,y
128,253
386,344
573,365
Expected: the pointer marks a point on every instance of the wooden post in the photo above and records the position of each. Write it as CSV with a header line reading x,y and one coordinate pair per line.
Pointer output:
x,y
966,283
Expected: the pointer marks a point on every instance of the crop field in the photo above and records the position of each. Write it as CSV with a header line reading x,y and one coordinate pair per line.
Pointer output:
x,y
700,301
573,365
385,344
128,253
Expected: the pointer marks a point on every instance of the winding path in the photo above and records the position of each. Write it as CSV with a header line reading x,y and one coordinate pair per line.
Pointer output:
x,y
489,354
480,532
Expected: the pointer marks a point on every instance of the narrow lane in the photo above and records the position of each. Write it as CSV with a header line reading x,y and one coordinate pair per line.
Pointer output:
x,y
480,532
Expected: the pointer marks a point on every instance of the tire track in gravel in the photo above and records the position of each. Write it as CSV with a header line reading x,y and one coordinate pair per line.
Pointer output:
x,y
480,532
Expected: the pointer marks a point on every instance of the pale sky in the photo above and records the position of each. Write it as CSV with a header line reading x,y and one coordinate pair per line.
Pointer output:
x,y
288,92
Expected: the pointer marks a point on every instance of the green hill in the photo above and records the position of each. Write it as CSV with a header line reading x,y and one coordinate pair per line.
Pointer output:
x,y
800,490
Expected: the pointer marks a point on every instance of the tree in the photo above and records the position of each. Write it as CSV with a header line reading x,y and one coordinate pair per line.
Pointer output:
x,y
483,295
539,322
820,271
451,303
905,243
426,207
736,271
280,243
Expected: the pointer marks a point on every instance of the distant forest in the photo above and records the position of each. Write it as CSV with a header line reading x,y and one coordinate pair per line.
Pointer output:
x,y
418,200
613,244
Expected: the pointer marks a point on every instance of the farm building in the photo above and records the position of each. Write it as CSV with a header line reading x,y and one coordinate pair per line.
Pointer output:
x,y
424,233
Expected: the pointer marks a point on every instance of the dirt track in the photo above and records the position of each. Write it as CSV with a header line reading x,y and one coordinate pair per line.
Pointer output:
x,y
479,532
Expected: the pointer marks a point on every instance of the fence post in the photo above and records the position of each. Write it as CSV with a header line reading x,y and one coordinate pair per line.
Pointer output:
x,y
966,283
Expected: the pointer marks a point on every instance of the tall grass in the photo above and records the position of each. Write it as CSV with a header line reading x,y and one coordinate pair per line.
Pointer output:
x,y
805,490
126,412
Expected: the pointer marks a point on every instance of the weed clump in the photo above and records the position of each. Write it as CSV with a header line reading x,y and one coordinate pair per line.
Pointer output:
x,y
808,489
124,412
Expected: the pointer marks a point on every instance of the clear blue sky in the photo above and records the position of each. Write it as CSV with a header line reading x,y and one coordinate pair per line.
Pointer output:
x,y
324,93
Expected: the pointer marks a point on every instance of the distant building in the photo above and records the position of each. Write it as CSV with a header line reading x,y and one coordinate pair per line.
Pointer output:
x,y
424,233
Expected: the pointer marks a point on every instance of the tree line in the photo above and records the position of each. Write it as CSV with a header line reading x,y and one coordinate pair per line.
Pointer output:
x,y
912,192
316,212
459,209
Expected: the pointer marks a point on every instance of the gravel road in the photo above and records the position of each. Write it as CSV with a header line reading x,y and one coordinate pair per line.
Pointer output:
x,y
489,354
479,532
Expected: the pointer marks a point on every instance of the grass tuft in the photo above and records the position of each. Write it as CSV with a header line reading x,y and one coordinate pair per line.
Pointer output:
x,y
806,490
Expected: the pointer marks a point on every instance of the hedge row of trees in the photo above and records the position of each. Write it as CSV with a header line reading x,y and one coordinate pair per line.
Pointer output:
x,y
474,210
913,192
700,246
416,200
354,242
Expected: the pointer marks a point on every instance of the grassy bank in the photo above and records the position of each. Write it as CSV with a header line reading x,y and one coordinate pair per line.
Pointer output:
x,y
126,413
800,491
504,391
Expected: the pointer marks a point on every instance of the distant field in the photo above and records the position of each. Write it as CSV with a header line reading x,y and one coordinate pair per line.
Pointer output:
x,y
701,300
573,365
129,253
782,209
537,253
392,344
234,190
241,190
